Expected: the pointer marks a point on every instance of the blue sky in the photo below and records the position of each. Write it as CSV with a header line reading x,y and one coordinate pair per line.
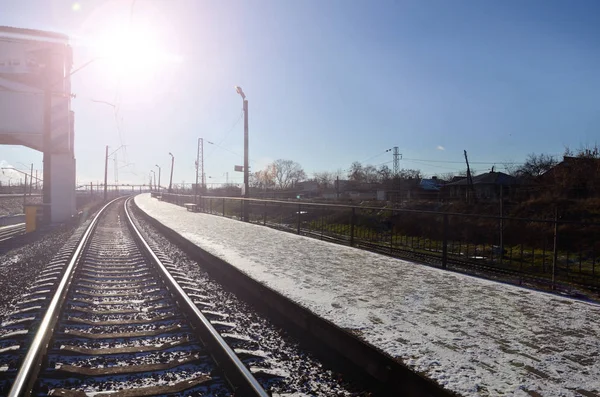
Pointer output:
x,y
330,82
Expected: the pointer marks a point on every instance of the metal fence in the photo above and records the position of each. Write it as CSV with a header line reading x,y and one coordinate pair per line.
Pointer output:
x,y
551,252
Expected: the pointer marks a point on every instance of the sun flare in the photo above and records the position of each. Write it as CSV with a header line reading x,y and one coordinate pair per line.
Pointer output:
x,y
135,52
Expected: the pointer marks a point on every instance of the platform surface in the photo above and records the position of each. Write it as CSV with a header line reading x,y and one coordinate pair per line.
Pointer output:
x,y
473,336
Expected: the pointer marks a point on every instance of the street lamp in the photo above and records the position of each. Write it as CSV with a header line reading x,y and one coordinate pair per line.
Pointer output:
x,y
153,173
158,177
246,184
199,154
171,179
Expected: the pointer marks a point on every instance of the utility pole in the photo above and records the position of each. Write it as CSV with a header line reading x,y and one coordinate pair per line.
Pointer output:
x,y
246,171
105,173
202,165
397,157
116,169
158,177
470,187
171,179
197,165
31,180
25,191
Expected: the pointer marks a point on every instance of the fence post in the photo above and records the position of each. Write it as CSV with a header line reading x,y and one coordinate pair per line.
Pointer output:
x,y
242,213
352,219
391,233
555,250
445,243
299,211
265,214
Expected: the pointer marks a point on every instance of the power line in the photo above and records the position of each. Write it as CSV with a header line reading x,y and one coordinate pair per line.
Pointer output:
x,y
224,148
461,162
435,166
225,137
372,157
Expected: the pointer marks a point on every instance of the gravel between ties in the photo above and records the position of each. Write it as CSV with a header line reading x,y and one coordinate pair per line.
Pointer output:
x,y
303,374
20,266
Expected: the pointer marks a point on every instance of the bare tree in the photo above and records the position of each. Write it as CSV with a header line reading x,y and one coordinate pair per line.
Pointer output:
x,y
263,179
287,173
464,172
356,172
325,179
406,173
385,173
370,174
536,165
447,176
511,169
338,174
586,152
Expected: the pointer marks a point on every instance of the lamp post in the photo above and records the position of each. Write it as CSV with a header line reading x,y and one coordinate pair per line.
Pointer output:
x,y
154,174
158,177
246,184
171,179
199,152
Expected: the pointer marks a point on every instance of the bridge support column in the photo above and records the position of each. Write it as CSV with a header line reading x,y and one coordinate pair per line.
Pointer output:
x,y
62,188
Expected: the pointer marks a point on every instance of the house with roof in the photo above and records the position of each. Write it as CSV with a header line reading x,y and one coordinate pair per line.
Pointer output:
x,y
574,177
487,187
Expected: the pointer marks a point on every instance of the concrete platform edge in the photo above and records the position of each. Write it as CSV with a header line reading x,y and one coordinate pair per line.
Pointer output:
x,y
385,370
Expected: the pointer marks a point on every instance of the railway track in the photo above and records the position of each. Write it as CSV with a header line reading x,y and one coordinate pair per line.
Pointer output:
x,y
8,232
111,319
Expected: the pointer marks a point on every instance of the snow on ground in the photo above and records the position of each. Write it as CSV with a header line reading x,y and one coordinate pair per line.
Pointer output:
x,y
473,336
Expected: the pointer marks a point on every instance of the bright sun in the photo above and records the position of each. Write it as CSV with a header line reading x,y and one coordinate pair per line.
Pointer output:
x,y
135,53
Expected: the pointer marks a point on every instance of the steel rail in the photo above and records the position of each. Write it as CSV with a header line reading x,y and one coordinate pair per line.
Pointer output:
x,y
8,232
240,378
23,384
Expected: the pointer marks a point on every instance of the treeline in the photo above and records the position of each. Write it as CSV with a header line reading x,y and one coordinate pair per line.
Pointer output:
x,y
285,174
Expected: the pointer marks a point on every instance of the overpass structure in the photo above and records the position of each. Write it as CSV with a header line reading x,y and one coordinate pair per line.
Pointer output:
x,y
35,109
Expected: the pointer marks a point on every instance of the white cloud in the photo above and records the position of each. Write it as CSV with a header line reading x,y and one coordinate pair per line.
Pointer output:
x,y
8,174
440,147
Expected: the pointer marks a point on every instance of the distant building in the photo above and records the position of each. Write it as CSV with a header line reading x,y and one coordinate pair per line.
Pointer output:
x,y
574,177
487,187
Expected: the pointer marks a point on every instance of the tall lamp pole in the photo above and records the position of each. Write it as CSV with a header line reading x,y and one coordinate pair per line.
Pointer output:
x,y
200,152
171,179
158,177
246,181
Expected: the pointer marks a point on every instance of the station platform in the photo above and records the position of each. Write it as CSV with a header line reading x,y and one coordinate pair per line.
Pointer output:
x,y
472,336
